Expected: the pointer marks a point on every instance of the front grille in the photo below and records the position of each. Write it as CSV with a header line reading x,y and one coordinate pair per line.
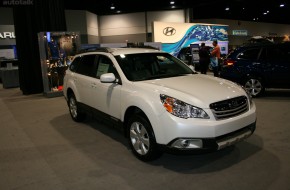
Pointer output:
x,y
229,108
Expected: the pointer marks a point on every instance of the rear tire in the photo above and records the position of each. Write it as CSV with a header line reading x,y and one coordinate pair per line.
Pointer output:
x,y
254,86
74,110
141,139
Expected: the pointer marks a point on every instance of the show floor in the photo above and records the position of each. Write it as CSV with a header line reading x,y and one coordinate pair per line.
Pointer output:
x,y
42,148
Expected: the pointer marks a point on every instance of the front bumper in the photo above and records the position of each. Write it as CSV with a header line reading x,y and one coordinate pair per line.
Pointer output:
x,y
212,144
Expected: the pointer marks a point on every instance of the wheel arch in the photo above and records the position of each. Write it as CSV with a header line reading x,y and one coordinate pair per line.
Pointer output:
x,y
256,76
69,91
131,111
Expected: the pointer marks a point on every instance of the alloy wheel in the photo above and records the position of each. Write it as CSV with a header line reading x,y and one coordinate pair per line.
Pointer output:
x,y
139,138
254,87
73,107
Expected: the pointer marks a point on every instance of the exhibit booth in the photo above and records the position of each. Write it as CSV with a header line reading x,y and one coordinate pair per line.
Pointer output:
x,y
175,36
56,53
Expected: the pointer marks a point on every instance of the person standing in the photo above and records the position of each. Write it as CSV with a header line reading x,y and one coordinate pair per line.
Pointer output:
x,y
204,58
216,54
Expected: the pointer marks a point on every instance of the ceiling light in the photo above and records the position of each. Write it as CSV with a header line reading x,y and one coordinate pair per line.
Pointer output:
x,y
172,2
173,7
112,7
282,5
227,8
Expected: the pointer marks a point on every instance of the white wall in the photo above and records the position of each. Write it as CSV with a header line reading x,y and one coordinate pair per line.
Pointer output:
x,y
92,24
84,22
122,24
164,16
135,23
76,21
92,28
134,27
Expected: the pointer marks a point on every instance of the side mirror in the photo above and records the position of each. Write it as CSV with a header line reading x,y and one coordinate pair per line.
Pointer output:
x,y
108,78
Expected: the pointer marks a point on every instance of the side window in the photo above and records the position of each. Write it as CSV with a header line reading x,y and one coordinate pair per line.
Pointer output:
x,y
86,66
285,53
273,54
105,65
74,64
250,54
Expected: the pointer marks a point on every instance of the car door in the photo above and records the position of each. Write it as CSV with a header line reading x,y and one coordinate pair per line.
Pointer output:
x,y
83,78
278,72
106,97
248,62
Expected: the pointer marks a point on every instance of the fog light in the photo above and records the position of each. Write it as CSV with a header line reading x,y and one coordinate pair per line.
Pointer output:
x,y
187,143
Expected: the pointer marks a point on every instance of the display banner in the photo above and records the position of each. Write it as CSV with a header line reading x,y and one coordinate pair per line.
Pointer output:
x,y
7,35
175,36
194,50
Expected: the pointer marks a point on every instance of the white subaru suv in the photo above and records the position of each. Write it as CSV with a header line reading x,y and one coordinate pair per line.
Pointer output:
x,y
159,101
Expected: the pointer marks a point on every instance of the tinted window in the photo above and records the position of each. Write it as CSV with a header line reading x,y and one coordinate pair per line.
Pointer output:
x,y
86,66
249,54
285,52
276,53
273,54
74,64
105,65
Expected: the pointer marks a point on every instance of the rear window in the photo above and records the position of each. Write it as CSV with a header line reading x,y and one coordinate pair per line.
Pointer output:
x,y
86,66
249,54
74,64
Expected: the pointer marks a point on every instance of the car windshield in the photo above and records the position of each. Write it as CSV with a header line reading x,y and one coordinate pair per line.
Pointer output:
x,y
146,66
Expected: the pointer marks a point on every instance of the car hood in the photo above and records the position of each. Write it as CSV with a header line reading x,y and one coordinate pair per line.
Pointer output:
x,y
199,90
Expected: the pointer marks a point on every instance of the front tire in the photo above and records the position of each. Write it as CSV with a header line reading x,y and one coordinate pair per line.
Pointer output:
x,y
141,139
74,109
254,86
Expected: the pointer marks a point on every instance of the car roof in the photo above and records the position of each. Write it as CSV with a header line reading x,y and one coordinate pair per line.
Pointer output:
x,y
264,44
119,51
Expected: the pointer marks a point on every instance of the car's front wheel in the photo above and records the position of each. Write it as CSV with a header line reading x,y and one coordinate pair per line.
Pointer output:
x,y
74,110
141,139
254,86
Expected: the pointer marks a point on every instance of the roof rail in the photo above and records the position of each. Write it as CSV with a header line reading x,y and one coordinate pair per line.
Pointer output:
x,y
95,49
142,46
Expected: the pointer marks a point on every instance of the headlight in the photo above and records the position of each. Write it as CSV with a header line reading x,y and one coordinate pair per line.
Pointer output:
x,y
181,109
248,94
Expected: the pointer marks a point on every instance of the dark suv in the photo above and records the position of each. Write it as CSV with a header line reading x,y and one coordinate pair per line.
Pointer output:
x,y
259,66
